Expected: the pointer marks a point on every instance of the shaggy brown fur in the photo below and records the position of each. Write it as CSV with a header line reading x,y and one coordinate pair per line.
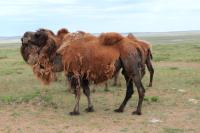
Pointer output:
x,y
62,32
90,61
110,39
146,48
39,50
68,38
78,35
97,59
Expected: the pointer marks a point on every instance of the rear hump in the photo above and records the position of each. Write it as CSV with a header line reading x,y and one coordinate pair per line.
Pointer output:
x,y
110,38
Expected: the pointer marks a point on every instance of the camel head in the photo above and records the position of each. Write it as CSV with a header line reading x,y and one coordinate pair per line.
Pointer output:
x,y
38,49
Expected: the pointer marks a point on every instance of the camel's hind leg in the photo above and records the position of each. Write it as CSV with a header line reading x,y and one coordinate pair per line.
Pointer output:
x,y
129,92
86,91
151,70
131,69
141,93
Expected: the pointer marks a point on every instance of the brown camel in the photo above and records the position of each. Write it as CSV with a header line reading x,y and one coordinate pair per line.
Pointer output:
x,y
89,59
147,56
98,59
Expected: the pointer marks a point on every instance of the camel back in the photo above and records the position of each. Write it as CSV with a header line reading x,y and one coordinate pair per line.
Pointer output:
x,y
110,38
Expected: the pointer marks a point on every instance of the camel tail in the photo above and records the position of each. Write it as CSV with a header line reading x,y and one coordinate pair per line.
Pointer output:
x,y
150,54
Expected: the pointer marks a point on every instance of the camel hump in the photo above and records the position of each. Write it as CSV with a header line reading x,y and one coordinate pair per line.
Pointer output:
x,y
131,36
110,38
81,32
62,31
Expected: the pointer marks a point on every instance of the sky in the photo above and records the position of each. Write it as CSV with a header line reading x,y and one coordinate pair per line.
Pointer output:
x,y
95,16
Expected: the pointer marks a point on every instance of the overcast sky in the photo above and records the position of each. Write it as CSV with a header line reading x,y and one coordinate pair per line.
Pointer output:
x,y
18,16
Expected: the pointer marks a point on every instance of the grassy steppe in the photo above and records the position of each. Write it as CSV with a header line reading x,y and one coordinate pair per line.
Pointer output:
x,y
174,99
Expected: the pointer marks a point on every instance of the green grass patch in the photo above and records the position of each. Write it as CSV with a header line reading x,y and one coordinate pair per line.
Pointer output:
x,y
19,99
28,97
173,68
3,57
8,99
124,130
177,52
15,114
46,98
151,98
173,130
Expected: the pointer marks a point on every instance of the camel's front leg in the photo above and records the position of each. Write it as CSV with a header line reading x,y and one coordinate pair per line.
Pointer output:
x,y
77,97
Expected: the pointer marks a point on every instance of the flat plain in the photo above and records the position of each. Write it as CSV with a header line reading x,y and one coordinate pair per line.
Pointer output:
x,y
172,105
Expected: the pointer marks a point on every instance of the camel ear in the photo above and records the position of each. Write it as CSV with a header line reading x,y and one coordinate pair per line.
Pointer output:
x,y
62,32
40,38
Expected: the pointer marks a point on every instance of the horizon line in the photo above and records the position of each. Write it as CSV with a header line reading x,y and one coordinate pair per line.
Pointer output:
x,y
124,32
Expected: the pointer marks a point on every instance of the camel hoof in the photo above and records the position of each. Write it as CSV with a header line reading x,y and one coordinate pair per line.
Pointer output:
x,y
136,113
74,113
118,110
89,109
